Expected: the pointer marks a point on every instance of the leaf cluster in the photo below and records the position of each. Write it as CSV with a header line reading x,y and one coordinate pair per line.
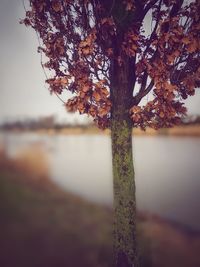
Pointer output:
x,y
82,39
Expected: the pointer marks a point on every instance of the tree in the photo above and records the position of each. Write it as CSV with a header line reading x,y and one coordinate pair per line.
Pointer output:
x,y
110,55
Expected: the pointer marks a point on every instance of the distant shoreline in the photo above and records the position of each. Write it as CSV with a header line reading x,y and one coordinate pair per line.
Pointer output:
x,y
183,130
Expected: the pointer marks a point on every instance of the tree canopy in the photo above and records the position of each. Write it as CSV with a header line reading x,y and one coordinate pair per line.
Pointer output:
x,y
83,39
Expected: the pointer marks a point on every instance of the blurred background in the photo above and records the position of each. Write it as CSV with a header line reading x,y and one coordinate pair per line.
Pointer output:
x,y
56,176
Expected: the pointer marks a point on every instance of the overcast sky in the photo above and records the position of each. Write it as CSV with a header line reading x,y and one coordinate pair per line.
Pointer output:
x,y
23,92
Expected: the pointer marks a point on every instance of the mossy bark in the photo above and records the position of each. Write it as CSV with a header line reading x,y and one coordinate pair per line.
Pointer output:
x,y
123,170
124,195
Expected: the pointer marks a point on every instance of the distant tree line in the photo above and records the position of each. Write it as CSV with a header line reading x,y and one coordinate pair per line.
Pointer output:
x,y
50,122
47,122
191,120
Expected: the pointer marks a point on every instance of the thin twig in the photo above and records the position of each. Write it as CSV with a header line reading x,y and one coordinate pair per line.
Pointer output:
x,y
41,62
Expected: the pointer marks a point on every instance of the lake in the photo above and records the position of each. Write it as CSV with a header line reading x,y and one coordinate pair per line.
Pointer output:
x,y
167,170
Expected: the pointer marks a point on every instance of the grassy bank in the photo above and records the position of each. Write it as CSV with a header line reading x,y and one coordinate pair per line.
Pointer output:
x,y
184,130
41,225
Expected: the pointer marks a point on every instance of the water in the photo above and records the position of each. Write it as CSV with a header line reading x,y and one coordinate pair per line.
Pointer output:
x,y
167,170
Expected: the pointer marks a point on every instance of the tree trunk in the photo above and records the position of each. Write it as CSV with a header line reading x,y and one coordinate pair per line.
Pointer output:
x,y
123,171
124,195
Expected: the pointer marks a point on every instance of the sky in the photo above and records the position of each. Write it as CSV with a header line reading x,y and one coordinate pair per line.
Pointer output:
x,y
23,93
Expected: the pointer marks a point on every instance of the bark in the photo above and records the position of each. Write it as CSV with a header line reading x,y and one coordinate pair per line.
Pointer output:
x,y
124,195
125,244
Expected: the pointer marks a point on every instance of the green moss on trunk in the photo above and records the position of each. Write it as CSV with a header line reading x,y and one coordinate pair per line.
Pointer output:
x,y
124,194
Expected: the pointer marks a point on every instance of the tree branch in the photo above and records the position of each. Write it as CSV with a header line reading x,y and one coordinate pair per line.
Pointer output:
x,y
154,30
149,6
141,94
175,8
144,82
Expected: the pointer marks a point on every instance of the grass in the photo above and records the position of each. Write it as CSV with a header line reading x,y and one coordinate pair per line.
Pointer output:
x,y
182,130
43,226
